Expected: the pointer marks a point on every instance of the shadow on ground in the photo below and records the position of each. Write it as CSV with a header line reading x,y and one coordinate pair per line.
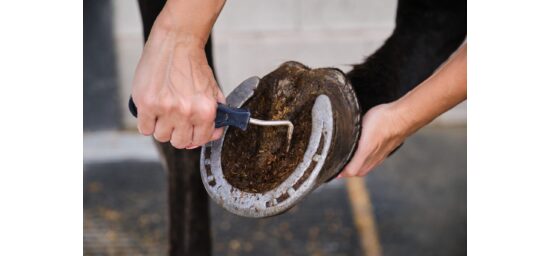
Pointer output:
x,y
419,199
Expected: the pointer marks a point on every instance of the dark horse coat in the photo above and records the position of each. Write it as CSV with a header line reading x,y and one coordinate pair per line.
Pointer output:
x,y
427,32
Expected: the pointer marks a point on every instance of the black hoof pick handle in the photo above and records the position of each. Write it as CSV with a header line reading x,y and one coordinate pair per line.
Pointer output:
x,y
229,116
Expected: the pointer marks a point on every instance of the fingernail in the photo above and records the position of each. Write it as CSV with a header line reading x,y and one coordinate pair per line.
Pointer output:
x,y
192,147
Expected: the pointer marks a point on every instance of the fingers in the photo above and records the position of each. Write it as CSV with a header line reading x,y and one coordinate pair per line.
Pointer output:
x,y
203,121
219,96
188,132
363,164
218,132
369,167
366,157
202,134
163,130
146,123
362,154
186,124
359,168
353,167
146,118
182,136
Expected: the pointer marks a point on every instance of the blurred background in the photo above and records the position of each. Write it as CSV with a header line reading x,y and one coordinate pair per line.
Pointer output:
x,y
414,204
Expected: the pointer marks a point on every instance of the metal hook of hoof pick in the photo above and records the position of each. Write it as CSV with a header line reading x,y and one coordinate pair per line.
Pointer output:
x,y
240,118
236,117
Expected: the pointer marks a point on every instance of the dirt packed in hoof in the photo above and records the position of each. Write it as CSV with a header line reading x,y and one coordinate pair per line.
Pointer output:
x,y
256,160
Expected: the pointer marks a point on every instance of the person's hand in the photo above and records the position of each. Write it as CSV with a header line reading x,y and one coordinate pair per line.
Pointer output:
x,y
383,130
386,126
175,91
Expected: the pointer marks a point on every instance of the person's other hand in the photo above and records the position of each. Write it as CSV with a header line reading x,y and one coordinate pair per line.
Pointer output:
x,y
382,131
175,91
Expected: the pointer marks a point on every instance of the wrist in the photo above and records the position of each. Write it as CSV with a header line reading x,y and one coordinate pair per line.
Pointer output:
x,y
183,35
404,116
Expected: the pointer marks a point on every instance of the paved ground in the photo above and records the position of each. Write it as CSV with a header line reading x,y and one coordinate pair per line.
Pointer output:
x,y
418,198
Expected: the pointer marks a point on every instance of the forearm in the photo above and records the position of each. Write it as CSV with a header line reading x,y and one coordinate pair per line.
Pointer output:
x,y
189,22
174,87
443,90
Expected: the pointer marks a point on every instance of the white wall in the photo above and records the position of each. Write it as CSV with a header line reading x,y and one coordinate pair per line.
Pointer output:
x,y
253,37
